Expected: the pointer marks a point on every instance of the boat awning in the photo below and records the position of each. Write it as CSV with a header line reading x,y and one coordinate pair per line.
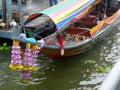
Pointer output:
x,y
63,12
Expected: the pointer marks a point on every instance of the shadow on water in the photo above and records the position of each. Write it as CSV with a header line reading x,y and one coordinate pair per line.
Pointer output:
x,y
80,72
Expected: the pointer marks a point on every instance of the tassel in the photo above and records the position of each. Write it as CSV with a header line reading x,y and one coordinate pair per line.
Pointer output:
x,y
16,63
26,63
33,64
29,63
27,57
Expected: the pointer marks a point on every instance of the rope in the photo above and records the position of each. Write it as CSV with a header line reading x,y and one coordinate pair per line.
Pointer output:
x,y
44,29
37,36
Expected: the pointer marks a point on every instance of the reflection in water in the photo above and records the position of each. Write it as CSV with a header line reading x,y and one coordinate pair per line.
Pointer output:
x,y
115,50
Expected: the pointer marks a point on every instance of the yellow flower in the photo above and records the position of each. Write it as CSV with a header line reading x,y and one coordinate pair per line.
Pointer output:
x,y
15,42
28,45
34,47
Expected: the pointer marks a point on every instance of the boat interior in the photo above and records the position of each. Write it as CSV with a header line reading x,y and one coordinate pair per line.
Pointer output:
x,y
80,30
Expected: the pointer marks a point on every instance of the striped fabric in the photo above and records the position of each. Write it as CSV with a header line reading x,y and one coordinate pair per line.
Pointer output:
x,y
63,12
95,30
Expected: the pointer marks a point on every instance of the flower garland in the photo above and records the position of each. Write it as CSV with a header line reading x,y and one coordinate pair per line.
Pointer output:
x,y
16,63
34,55
29,62
27,57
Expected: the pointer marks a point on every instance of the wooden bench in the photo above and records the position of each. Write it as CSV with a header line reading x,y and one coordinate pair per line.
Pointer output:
x,y
83,24
89,19
80,31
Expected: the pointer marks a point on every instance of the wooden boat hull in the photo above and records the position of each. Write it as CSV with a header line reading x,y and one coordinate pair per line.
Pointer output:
x,y
54,51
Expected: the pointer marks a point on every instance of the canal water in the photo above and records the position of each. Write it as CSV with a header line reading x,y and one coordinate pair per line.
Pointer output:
x,y
85,71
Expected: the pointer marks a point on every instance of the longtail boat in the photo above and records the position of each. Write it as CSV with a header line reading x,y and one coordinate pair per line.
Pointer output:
x,y
74,31
39,27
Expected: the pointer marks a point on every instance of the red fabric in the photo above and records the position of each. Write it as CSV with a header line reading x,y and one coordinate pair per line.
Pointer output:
x,y
60,41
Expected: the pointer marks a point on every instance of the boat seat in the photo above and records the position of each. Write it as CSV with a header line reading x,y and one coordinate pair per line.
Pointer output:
x,y
89,19
80,31
83,24
93,13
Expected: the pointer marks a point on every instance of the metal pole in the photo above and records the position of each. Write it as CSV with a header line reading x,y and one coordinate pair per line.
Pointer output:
x,y
20,10
3,11
8,12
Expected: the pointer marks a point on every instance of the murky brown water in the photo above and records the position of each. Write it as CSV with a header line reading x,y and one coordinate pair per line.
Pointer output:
x,y
72,73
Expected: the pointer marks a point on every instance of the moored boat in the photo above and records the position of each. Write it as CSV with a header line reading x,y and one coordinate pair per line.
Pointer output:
x,y
71,32
81,35
39,27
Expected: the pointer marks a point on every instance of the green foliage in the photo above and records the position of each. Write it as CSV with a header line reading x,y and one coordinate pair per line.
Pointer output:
x,y
5,47
99,67
92,61
113,37
103,68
